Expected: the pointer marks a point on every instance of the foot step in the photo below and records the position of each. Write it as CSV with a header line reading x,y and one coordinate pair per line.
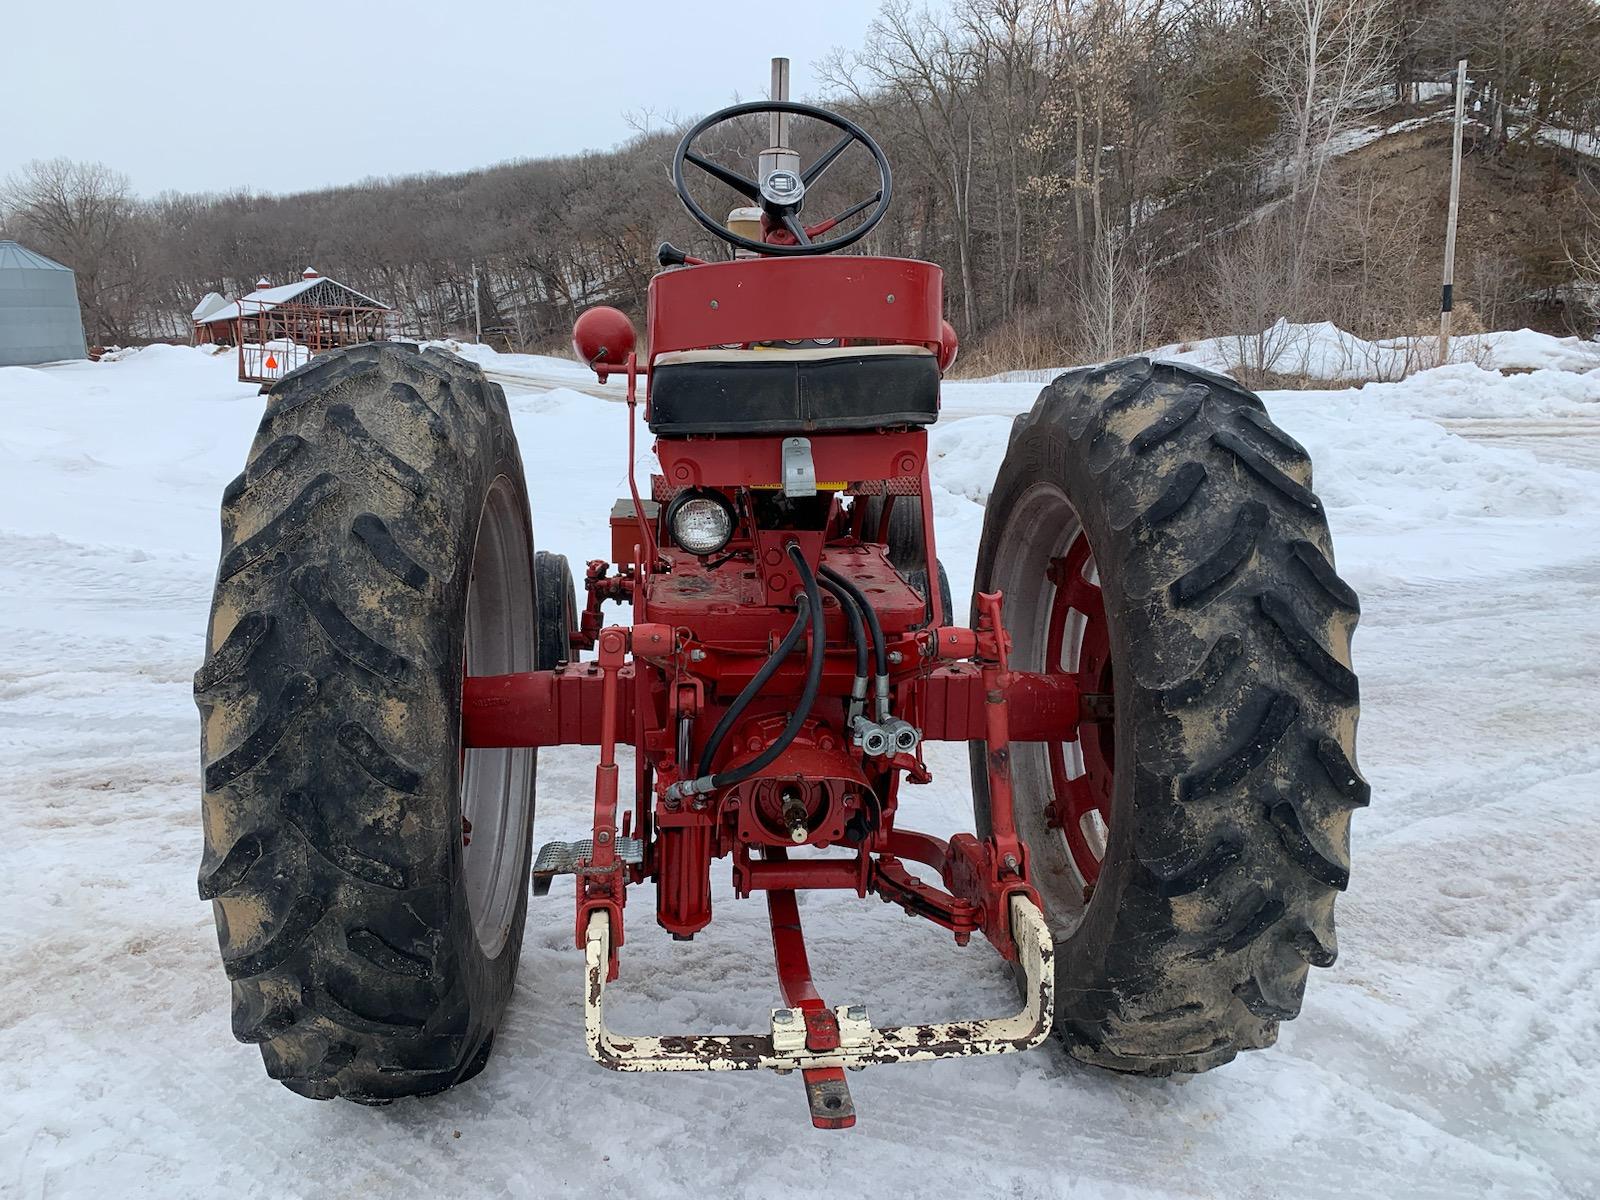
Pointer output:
x,y
568,858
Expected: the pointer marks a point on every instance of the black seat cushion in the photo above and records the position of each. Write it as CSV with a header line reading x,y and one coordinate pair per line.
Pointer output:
x,y
757,391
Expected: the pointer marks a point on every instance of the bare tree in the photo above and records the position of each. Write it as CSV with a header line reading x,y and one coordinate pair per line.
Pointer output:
x,y
1090,117
923,66
83,214
1326,60
1260,282
1113,302
1583,258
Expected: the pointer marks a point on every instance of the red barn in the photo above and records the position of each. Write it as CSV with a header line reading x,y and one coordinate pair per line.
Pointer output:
x,y
279,328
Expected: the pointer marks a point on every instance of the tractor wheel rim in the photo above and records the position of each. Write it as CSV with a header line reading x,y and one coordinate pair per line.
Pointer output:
x,y
1078,645
497,784
1056,616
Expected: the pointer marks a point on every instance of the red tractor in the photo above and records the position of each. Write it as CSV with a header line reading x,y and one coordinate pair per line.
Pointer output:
x,y
1154,683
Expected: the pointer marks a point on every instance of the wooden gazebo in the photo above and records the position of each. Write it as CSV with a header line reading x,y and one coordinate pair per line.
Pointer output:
x,y
279,328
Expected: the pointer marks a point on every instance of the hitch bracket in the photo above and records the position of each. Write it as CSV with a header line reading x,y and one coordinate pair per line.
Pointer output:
x,y
860,1044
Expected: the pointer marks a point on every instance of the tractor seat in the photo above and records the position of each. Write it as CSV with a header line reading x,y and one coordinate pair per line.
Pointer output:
x,y
825,389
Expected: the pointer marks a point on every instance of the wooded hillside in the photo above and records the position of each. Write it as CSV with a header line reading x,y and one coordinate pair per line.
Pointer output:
x,y
1094,175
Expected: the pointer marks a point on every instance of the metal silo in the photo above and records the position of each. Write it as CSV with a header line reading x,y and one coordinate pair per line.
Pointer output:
x,y
39,317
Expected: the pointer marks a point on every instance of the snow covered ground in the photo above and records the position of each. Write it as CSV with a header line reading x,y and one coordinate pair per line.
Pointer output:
x,y
1453,1051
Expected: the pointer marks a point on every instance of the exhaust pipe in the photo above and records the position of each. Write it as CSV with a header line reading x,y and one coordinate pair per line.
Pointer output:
x,y
778,156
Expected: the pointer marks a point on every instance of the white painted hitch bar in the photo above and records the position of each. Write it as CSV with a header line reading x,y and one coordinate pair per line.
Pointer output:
x,y
784,1047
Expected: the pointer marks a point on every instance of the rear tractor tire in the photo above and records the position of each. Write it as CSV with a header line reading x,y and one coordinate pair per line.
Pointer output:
x,y
368,875
907,553
1156,537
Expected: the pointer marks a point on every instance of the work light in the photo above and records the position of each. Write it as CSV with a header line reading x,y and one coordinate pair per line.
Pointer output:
x,y
701,522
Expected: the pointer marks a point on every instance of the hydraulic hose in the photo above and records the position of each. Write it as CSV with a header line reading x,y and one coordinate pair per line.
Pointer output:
x,y
758,681
880,651
858,638
809,616
808,694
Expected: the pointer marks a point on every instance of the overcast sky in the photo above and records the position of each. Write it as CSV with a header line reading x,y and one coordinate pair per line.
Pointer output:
x,y
280,95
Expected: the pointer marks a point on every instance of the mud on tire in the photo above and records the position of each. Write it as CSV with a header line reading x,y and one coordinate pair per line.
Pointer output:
x,y
365,959
1235,712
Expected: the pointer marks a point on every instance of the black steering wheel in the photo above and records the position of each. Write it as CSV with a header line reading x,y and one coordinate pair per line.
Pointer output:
x,y
782,193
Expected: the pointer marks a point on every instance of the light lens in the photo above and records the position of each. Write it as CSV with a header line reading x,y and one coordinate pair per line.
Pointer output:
x,y
701,525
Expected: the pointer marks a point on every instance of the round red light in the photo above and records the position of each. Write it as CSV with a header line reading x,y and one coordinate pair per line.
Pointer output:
x,y
603,336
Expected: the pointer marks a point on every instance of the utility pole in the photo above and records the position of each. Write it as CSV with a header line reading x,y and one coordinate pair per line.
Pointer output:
x,y
1447,298
477,308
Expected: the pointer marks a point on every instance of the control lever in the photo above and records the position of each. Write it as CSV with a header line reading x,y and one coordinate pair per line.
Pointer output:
x,y
669,255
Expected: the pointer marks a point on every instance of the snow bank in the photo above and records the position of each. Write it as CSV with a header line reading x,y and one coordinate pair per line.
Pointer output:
x,y
1462,391
1393,424
1526,348
1387,471
1373,458
1323,351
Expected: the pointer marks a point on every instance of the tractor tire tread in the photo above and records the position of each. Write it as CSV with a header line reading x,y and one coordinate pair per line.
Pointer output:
x,y
373,533
1235,698
342,933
